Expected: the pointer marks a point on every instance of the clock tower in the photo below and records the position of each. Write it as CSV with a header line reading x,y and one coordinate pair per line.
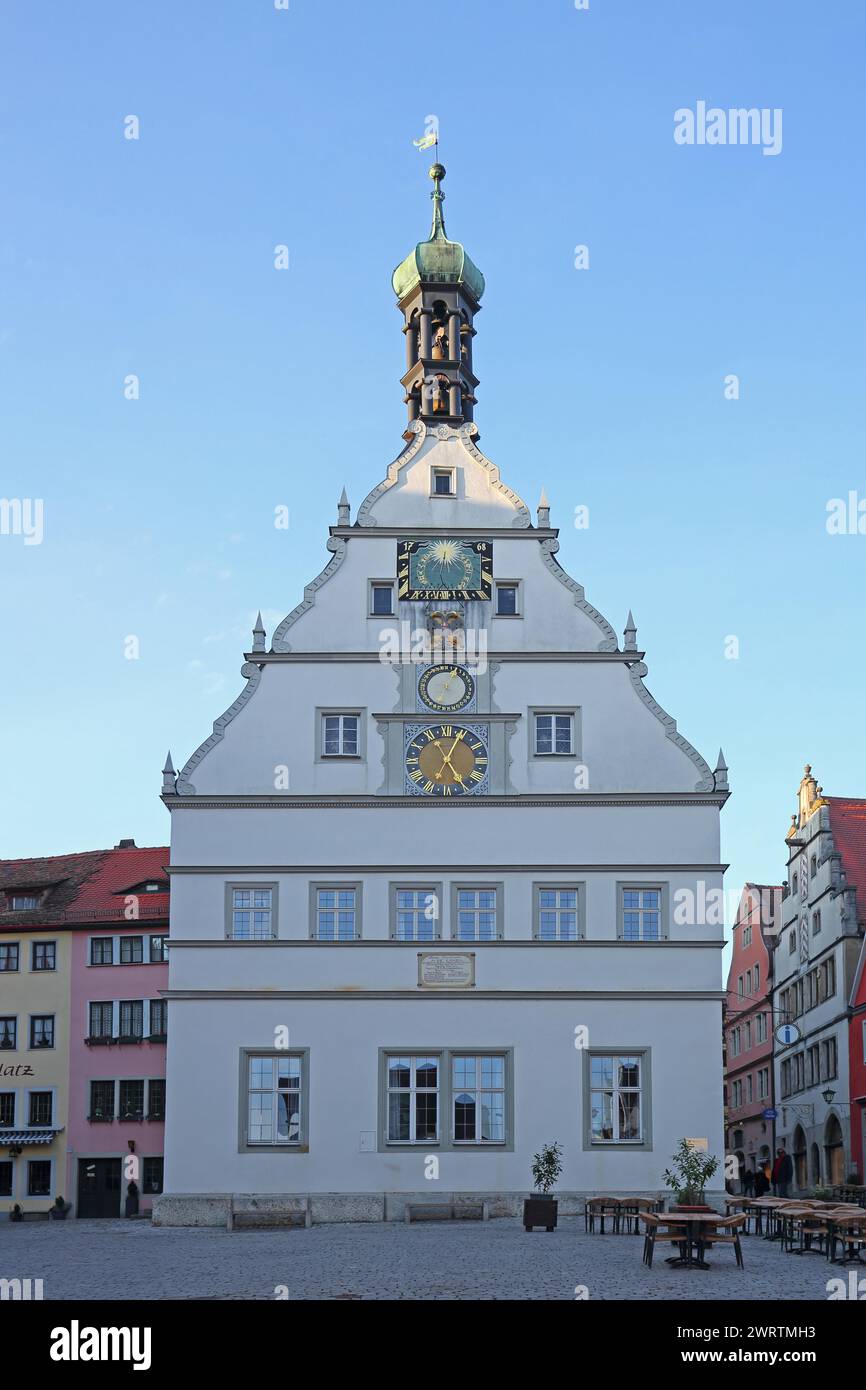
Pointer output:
x,y
440,870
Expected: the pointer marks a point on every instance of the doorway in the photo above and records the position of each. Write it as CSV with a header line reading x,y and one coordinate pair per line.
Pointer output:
x,y
98,1187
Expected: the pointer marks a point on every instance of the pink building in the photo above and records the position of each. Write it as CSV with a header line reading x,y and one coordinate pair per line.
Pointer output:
x,y
748,1023
118,1031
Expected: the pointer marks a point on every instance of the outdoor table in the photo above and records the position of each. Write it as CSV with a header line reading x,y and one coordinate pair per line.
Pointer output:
x,y
768,1205
689,1219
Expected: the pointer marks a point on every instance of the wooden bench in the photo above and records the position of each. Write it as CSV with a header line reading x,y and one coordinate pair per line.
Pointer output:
x,y
446,1211
268,1218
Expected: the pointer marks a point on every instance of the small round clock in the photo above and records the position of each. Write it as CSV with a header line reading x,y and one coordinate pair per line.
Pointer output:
x,y
446,687
446,760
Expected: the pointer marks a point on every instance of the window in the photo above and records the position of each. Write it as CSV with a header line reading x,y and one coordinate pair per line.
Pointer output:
x,y
508,599
9,953
7,1107
829,1067
24,902
748,1027
131,950
816,922
6,1169
741,987
763,1083
39,1177
554,735
151,1176
101,1101
798,1071
738,1094
154,888
413,1100
340,736
44,955
829,973
757,979
131,1105
415,913
381,598
478,1099
442,482
42,1030
749,1089
101,1020
747,936
814,865
156,1099
101,950
794,884
556,913
131,1020
641,914
785,1077
476,915
252,912
158,950
813,1065
761,1028
748,982
41,1107
274,1097
735,1042
158,1018
792,942
615,1099
336,916
8,1032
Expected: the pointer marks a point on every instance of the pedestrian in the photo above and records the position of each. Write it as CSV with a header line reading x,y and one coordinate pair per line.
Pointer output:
x,y
783,1172
749,1176
762,1183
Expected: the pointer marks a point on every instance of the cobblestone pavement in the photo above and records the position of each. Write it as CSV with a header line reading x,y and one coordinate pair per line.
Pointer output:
x,y
436,1260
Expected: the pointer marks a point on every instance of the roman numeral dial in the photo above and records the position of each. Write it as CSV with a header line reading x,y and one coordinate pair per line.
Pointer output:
x,y
447,760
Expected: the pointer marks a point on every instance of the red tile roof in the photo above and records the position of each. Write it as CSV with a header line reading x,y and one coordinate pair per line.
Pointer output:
x,y
848,825
84,886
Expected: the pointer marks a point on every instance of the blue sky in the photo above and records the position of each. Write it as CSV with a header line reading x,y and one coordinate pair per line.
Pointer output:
x,y
259,127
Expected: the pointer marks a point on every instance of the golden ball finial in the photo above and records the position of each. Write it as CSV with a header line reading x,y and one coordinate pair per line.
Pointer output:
x,y
437,171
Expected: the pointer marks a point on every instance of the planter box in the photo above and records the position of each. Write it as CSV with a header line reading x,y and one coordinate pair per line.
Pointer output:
x,y
540,1211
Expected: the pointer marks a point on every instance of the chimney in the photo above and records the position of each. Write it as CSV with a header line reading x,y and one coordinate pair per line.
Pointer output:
x,y
126,844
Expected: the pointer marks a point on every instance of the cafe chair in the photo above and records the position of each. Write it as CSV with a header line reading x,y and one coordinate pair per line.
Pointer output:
x,y
850,1233
676,1235
727,1232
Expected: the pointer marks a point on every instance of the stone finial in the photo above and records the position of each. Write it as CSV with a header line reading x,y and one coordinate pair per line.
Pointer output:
x,y
720,774
259,635
630,634
168,774
343,510
543,513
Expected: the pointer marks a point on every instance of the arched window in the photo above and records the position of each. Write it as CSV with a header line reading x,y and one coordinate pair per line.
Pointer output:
x,y
834,1150
799,1156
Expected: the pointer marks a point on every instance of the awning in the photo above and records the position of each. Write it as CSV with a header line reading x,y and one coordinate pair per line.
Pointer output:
x,y
28,1136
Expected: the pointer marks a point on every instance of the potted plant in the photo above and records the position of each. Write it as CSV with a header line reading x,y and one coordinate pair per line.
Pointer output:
x,y
541,1208
15,1213
131,1205
60,1209
692,1169
821,1194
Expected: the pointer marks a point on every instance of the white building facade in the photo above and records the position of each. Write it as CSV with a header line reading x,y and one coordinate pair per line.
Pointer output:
x,y
438,872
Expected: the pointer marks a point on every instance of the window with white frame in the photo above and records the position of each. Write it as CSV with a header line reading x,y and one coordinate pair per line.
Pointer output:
x,y
158,950
554,734
41,1108
557,913
131,950
416,914
478,1098
615,1099
252,913
101,1102
340,736
476,914
9,956
761,1028
413,1099
101,950
274,1094
381,598
24,902
101,1019
829,1063
42,1030
641,914
507,599
763,1083
132,1019
158,1019
131,1100
9,1031
336,913
747,936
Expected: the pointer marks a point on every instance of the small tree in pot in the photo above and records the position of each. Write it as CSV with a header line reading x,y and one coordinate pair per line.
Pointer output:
x,y
131,1203
541,1209
60,1210
692,1170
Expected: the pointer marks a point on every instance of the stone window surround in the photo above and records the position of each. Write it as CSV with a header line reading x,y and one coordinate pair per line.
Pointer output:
x,y
16,947
31,1046
508,584
664,908
379,584
358,712
574,712
443,468
628,1145
561,885
303,1144
445,1143
478,886
250,886
336,885
414,886
42,969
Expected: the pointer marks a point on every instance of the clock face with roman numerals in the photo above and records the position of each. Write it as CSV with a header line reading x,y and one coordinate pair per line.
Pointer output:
x,y
447,760
444,569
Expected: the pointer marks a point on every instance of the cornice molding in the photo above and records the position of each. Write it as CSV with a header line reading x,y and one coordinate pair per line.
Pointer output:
x,y
404,869
253,674
707,782
419,992
548,554
272,658
283,802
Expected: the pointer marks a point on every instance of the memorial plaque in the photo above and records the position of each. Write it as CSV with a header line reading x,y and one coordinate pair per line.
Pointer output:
x,y
446,971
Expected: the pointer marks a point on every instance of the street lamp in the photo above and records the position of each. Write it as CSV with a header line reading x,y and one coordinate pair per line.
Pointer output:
x,y
829,1095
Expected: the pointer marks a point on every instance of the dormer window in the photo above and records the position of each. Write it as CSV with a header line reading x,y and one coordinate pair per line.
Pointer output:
x,y
24,902
152,888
